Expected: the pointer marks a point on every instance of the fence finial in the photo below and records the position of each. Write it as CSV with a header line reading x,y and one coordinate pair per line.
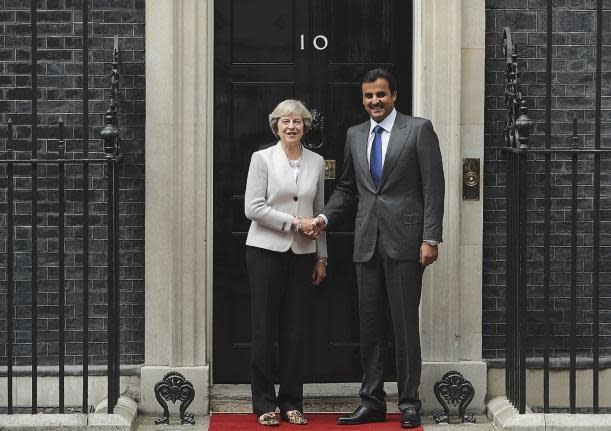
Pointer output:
x,y
517,123
523,124
60,136
110,133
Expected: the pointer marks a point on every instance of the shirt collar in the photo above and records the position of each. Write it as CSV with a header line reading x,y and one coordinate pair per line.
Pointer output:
x,y
386,123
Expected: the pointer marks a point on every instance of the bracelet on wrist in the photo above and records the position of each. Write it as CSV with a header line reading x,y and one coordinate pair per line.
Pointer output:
x,y
298,225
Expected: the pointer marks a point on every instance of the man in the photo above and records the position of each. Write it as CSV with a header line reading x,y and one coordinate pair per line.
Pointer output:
x,y
393,170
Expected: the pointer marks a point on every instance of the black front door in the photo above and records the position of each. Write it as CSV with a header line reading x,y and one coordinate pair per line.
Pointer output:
x,y
316,51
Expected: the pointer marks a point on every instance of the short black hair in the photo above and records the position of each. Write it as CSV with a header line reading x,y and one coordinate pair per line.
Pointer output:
x,y
378,73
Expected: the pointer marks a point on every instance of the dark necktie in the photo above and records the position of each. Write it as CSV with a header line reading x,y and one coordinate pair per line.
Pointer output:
x,y
375,158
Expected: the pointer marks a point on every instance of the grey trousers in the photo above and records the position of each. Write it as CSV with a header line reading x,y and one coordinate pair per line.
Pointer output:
x,y
388,285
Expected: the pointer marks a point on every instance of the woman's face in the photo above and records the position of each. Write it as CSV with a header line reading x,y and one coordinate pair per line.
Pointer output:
x,y
290,128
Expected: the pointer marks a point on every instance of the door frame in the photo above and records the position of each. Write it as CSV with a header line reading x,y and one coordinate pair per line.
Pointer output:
x,y
400,56
209,261
179,176
431,93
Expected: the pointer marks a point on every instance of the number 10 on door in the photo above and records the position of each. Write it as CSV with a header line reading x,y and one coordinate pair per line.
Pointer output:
x,y
320,42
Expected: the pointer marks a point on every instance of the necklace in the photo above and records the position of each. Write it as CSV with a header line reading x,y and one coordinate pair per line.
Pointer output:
x,y
295,163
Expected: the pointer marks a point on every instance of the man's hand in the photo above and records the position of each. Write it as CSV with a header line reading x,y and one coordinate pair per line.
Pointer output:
x,y
313,227
320,227
320,222
428,254
309,228
319,273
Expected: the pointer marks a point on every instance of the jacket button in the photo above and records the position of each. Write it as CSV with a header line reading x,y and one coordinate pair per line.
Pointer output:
x,y
295,198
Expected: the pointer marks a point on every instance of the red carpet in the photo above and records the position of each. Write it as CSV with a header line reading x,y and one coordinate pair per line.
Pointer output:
x,y
316,422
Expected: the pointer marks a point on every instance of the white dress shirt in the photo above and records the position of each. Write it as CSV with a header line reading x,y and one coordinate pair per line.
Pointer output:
x,y
386,124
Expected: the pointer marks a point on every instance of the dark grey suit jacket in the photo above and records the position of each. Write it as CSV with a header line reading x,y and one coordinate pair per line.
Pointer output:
x,y
407,206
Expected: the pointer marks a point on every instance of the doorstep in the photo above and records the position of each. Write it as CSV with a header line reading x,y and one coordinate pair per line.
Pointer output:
x,y
121,420
147,423
502,413
328,398
318,397
202,423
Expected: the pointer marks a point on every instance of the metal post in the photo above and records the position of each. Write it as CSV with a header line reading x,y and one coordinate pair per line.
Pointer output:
x,y
573,310
508,271
116,285
34,166
111,136
516,133
111,290
85,40
9,268
515,306
521,288
61,275
596,269
546,245
515,259
116,236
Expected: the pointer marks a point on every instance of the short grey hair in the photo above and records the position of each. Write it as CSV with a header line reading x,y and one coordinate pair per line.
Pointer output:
x,y
288,107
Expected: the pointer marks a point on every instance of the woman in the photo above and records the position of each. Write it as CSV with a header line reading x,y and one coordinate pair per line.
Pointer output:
x,y
285,188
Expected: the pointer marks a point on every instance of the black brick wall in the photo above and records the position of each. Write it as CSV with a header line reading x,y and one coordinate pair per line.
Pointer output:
x,y
60,95
573,94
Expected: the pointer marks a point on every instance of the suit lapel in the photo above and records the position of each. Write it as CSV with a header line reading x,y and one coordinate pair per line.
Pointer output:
x,y
361,153
283,169
307,166
398,138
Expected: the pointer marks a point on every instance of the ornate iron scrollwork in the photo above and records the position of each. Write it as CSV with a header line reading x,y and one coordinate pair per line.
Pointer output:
x,y
317,131
174,387
457,391
517,123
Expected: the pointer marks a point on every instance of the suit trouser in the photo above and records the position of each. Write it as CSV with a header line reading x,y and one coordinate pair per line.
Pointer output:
x,y
280,284
384,283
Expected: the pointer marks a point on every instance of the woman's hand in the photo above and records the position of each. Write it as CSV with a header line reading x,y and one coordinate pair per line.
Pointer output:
x,y
319,273
310,228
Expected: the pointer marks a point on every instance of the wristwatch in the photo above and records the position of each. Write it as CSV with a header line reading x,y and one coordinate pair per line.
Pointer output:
x,y
431,243
322,259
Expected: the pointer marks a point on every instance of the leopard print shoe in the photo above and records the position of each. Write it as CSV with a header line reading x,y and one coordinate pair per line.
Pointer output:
x,y
295,417
269,419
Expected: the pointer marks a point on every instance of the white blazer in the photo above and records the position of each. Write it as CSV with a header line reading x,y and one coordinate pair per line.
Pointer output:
x,y
272,199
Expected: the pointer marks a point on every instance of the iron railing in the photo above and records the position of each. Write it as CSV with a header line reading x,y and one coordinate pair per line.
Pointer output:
x,y
14,167
529,327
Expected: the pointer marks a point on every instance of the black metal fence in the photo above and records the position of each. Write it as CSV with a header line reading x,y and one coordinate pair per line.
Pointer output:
x,y
553,205
16,167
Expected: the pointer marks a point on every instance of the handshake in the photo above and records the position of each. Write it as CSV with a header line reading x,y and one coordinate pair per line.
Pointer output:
x,y
309,227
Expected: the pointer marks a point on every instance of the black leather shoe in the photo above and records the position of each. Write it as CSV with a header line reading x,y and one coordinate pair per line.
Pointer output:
x,y
410,418
362,415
